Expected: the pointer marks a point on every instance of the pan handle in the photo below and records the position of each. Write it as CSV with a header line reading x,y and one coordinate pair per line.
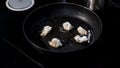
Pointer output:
x,y
94,4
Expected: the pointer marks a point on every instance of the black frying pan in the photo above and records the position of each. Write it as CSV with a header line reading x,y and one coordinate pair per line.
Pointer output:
x,y
54,15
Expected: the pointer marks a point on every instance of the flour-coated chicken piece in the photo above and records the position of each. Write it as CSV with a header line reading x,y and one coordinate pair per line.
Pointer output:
x,y
82,31
80,39
67,26
55,42
46,30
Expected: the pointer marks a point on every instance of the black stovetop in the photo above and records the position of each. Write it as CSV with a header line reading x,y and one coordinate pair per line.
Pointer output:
x,y
96,56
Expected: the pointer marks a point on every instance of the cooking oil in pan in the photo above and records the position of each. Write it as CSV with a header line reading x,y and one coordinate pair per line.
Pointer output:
x,y
66,37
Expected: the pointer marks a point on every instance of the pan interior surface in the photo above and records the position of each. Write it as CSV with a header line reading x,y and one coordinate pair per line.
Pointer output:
x,y
54,15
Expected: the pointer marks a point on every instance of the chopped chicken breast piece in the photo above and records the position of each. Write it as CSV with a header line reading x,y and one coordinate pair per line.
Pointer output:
x,y
46,30
82,31
67,26
55,43
80,39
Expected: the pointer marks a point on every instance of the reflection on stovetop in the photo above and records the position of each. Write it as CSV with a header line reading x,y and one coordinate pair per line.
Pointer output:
x,y
95,56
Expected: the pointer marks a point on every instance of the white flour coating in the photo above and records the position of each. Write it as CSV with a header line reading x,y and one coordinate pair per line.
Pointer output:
x,y
82,31
55,43
67,26
89,35
80,39
46,30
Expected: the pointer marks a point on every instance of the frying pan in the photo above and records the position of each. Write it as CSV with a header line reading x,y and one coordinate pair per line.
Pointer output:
x,y
54,15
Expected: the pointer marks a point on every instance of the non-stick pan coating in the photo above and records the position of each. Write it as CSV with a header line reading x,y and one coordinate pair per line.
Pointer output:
x,y
54,15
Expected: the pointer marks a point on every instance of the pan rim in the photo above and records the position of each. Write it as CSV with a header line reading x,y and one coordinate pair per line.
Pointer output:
x,y
59,3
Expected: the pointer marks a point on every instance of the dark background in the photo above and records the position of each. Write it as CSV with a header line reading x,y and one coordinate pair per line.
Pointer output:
x,y
97,56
